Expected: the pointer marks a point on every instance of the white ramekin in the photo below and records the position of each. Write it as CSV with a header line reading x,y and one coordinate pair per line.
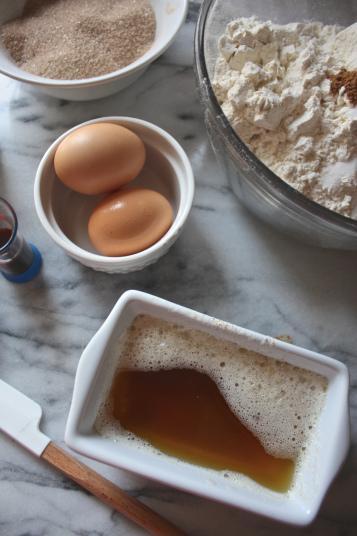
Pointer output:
x,y
64,213
324,455
170,15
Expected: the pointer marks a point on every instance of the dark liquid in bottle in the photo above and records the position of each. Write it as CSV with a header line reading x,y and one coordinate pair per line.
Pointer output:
x,y
17,258
183,413
5,235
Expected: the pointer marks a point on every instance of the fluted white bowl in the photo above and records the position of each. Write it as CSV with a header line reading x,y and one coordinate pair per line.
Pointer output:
x,y
64,213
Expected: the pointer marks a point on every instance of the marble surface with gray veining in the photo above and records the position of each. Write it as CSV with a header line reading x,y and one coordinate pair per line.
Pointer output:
x,y
225,264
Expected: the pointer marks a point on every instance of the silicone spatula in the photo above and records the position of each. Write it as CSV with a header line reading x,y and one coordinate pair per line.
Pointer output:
x,y
20,419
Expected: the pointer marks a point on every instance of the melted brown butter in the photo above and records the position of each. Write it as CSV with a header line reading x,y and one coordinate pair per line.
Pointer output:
x,y
183,413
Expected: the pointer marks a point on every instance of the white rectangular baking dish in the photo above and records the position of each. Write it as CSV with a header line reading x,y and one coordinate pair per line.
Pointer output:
x,y
324,455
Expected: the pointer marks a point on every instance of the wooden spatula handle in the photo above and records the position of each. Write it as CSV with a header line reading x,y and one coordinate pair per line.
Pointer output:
x,y
108,493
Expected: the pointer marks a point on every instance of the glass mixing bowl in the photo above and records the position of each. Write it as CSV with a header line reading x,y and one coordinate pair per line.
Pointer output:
x,y
258,188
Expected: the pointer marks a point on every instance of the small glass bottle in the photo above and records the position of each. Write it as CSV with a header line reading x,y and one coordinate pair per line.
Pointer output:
x,y
19,261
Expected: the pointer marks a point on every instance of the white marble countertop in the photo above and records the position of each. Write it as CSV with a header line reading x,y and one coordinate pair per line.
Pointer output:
x,y
225,264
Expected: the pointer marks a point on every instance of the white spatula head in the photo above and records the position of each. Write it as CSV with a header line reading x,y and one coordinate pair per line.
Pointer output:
x,y
20,419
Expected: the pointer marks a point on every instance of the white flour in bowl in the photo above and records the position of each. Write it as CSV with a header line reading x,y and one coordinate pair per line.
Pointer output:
x,y
272,83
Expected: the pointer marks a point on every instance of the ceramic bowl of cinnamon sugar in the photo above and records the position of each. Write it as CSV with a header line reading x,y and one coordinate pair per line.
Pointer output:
x,y
80,50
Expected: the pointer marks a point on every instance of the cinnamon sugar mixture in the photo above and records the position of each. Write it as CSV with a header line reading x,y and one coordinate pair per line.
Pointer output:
x,y
74,39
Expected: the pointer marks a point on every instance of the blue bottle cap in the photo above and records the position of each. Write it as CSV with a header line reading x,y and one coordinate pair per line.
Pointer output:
x,y
31,272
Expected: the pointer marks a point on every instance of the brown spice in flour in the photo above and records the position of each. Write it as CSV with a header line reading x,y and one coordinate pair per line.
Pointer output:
x,y
74,39
347,80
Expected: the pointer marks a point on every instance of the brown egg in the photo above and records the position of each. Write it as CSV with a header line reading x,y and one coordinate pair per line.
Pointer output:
x,y
129,221
99,158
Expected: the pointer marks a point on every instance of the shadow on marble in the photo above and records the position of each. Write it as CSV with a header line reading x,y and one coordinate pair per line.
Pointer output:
x,y
325,277
186,273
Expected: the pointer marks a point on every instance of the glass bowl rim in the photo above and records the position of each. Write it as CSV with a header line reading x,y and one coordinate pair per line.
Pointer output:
x,y
237,145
